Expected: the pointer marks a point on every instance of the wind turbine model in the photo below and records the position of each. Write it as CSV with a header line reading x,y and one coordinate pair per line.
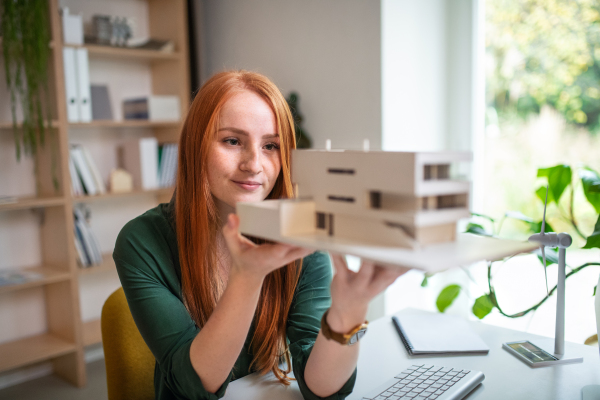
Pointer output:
x,y
528,352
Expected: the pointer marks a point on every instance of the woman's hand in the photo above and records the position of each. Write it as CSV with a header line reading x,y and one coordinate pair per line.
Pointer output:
x,y
254,261
351,291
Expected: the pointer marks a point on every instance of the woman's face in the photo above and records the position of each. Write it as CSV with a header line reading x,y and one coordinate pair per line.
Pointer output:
x,y
244,159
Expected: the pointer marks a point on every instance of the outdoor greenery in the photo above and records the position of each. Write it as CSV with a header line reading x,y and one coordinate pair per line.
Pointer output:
x,y
562,185
544,52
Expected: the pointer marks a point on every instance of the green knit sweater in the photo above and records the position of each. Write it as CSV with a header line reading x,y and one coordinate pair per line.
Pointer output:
x,y
147,261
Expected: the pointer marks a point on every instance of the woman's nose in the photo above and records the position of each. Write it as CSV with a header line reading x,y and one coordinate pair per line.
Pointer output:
x,y
251,161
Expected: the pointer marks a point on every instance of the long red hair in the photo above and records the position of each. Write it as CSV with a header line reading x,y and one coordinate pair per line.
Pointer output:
x,y
198,222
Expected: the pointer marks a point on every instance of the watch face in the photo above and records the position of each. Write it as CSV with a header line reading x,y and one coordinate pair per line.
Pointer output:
x,y
357,336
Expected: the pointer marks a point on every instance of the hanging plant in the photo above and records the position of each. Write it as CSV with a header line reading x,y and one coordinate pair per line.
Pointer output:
x,y
25,37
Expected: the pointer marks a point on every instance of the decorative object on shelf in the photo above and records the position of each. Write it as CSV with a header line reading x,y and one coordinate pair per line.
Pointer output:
x,y
152,108
110,30
25,46
559,179
121,181
303,141
101,109
72,25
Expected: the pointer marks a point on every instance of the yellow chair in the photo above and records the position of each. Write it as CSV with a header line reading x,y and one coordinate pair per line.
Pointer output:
x,y
129,362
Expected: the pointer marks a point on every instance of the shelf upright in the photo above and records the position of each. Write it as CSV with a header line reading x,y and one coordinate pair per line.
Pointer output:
x,y
63,344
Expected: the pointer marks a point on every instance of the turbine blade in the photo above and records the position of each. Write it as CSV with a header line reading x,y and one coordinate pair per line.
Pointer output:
x,y
545,269
544,218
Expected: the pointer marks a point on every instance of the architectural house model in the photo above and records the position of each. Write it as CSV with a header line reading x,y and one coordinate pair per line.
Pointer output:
x,y
398,208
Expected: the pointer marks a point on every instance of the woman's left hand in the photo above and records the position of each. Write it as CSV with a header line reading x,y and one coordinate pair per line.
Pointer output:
x,y
351,291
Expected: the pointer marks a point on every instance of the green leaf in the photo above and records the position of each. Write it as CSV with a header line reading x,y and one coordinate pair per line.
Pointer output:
x,y
447,296
536,227
594,239
477,229
541,194
595,290
425,282
591,186
483,216
551,256
483,306
559,177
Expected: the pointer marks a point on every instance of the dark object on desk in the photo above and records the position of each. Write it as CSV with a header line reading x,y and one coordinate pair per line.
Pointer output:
x,y
100,103
426,333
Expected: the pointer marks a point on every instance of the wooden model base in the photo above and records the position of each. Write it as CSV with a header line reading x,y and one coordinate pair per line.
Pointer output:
x,y
466,249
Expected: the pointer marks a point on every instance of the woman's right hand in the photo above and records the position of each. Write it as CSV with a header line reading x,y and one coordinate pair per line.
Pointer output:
x,y
254,261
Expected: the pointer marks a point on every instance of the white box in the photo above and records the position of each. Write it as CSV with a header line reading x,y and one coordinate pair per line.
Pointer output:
x,y
153,108
72,27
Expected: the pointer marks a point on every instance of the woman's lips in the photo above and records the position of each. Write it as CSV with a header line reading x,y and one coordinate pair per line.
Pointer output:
x,y
248,185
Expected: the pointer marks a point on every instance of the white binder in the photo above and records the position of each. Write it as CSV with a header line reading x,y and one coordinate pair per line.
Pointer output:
x,y
84,97
70,70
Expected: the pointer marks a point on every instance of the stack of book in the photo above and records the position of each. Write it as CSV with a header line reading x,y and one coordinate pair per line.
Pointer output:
x,y
167,161
86,244
85,176
150,165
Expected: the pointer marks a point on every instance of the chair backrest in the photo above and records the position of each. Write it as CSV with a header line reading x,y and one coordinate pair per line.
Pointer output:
x,y
129,362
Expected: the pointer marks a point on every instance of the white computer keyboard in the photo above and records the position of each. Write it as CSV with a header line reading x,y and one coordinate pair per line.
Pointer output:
x,y
424,381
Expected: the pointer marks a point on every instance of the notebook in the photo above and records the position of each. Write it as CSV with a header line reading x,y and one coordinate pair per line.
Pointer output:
x,y
437,334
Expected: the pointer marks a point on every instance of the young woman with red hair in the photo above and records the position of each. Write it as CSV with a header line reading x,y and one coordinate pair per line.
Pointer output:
x,y
214,306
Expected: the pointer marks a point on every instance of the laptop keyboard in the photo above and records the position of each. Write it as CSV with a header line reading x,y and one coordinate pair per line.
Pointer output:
x,y
424,381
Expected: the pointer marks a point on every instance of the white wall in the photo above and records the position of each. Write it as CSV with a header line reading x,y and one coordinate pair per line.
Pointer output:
x,y
327,51
426,74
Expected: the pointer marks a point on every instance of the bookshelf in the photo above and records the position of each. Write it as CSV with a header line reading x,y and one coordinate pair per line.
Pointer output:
x,y
63,287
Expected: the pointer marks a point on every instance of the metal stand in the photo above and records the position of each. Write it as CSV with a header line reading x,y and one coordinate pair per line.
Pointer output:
x,y
562,241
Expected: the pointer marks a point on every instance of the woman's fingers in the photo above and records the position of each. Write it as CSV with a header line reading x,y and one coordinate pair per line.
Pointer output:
x,y
384,277
235,241
341,268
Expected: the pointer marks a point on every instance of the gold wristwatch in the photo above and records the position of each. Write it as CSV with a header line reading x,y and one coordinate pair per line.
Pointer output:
x,y
349,338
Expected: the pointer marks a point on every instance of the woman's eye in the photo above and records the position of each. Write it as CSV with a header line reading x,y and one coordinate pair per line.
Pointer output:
x,y
232,141
272,146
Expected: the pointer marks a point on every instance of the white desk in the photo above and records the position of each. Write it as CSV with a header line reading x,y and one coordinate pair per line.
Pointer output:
x,y
382,355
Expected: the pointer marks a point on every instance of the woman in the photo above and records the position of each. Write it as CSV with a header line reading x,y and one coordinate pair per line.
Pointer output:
x,y
214,306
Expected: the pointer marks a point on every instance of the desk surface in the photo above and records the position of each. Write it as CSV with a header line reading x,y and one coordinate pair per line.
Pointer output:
x,y
382,355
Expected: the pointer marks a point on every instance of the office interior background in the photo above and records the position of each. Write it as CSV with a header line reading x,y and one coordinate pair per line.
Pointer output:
x,y
516,85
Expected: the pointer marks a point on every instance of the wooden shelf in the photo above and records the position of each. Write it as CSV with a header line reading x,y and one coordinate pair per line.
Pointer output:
x,y
7,126
33,349
24,203
126,124
108,264
92,332
124,53
109,196
49,275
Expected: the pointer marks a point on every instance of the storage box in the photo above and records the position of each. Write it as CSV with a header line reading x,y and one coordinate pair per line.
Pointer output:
x,y
153,108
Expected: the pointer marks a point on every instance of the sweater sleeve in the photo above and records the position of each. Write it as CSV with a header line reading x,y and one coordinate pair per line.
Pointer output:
x,y
144,262
311,300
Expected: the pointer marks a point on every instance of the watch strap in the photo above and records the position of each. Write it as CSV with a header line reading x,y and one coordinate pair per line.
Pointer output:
x,y
342,338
